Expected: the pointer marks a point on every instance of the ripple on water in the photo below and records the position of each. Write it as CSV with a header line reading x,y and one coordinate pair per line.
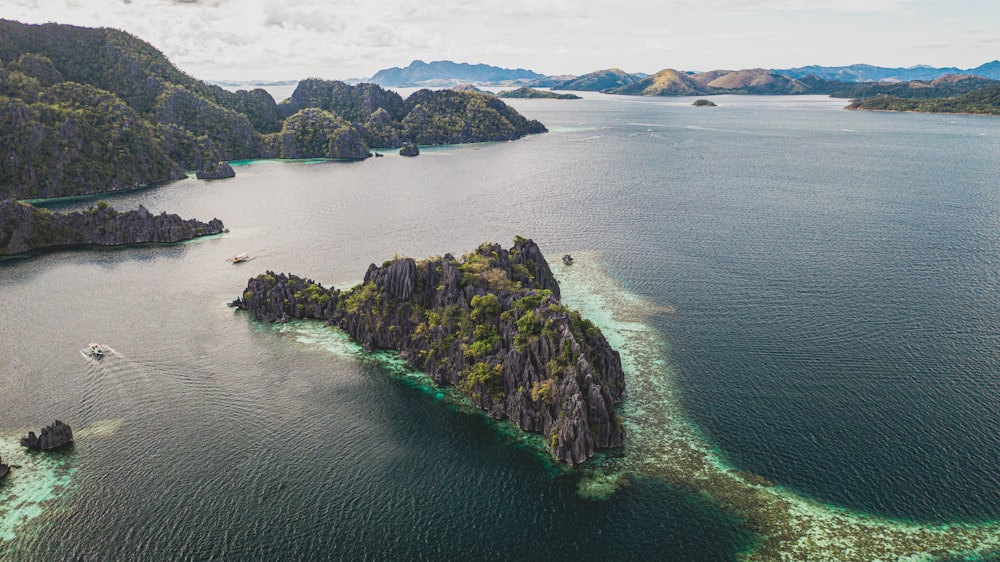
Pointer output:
x,y
664,443
37,482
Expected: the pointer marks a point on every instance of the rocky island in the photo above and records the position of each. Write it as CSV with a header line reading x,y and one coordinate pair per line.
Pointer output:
x,y
216,171
24,228
51,438
491,324
409,149
86,110
533,93
984,101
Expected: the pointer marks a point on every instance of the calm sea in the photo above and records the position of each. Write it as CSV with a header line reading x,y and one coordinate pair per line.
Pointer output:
x,y
830,282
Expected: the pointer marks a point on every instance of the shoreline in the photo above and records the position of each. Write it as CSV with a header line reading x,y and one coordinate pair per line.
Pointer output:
x,y
665,445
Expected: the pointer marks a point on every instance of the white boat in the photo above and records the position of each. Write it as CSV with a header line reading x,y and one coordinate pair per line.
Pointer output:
x,y
240,258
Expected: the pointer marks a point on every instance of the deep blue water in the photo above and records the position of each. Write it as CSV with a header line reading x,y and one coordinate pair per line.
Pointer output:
x,y
836,285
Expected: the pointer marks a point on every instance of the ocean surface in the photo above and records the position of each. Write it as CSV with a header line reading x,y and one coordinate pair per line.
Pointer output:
x,y
825,285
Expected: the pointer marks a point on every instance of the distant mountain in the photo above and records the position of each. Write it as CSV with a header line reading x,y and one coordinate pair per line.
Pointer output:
x,y
756,81
597,81
869,73
667,82
989,70
532,93
448,73
551,81
670,82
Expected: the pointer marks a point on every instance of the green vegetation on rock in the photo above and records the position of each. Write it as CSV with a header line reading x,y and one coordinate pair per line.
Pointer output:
x,y
490,324
452,117
87,110
532,93
70,139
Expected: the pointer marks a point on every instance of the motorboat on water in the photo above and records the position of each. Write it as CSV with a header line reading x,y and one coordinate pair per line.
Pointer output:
x,y
239,258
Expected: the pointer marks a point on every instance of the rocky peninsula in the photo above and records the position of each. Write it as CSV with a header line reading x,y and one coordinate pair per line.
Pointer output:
x,y
24,228
491,324
409,149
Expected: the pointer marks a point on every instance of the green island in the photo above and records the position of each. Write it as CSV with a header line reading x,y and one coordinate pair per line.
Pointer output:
x,y
85,110
984,101
489,324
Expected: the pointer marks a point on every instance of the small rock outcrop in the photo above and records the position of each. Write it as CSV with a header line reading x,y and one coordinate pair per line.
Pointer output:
x,y
24,228
216,171
4,469
409,149
51,438
490,324
703,103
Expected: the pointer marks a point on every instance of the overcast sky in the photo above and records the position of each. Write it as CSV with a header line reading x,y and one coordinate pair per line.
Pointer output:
x,y
337,39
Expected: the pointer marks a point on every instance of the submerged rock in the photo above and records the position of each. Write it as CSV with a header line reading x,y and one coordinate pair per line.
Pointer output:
x,y
490,324
216,171
24,228
52,437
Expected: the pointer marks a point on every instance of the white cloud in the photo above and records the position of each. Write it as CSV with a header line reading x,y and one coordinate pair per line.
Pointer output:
x,y
864,6
378,35
345,38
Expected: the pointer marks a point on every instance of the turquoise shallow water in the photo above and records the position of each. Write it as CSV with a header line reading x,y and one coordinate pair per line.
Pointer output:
x,y
827,284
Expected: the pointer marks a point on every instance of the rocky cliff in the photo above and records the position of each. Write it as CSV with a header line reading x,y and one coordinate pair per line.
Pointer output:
x,y
490,324
24,228
94,110
52,437
215,171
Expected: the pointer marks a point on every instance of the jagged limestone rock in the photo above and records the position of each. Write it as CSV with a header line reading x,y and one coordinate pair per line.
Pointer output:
x,y
51,438
216,171
409,149
24,228
490,324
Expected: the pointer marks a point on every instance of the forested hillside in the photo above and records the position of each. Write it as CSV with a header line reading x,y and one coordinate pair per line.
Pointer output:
x,y
87,110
